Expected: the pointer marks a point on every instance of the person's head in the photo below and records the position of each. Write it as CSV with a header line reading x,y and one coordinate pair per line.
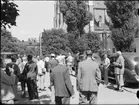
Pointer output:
x,y
29,57
119,53
105,55
9,66
24,59
89,53
52,55
13,59
61,59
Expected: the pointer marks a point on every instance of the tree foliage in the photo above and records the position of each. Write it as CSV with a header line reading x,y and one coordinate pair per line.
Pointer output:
x,y
93,41
86,41
76,15
125,23
12,44
54,41
7,42
9,13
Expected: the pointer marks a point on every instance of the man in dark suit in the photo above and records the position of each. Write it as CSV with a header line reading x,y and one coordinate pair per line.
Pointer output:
x,y
88,79
30,72
60,78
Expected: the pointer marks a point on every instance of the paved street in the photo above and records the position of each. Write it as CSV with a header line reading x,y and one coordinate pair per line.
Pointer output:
x,y
105,96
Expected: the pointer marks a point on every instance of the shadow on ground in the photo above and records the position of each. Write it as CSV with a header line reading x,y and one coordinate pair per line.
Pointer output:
x,y
44,96
132,85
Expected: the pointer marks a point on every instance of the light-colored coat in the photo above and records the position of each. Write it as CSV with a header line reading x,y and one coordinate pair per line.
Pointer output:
x,y
120,61
88,75
60,78
6,86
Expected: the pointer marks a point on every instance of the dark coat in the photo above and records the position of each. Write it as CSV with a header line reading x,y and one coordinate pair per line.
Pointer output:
x,y
30,70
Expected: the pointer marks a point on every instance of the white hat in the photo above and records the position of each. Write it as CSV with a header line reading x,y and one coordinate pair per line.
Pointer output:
x,y
47,59
53,55
119,52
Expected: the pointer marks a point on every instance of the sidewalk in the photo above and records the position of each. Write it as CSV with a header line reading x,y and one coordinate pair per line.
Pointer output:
x,y
44,98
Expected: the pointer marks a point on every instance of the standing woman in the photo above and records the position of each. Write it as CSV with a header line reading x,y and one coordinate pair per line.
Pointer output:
x,y
17,73
106,64
7,94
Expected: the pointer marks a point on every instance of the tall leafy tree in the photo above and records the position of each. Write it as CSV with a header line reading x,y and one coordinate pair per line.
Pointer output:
x,y
124,23
87,41
7,42
76,15
9,13
54,41
93,41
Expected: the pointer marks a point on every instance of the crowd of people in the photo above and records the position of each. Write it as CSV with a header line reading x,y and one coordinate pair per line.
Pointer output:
x,y
52,74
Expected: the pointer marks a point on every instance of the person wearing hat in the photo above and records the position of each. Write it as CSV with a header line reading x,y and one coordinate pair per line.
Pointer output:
x,y
60,79
30,73
52,63
119,71
88,79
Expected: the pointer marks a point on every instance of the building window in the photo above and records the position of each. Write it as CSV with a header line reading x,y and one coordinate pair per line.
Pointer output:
x,y
113,50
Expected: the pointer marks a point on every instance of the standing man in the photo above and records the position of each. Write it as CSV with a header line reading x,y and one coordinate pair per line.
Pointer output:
x,y
52,63
106,64
70,62
47,74
60,78
88,79
31,71
119,71
41,73
76,62
23,82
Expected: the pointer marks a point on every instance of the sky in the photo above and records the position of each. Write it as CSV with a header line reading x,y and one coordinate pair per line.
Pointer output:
x,y
34,17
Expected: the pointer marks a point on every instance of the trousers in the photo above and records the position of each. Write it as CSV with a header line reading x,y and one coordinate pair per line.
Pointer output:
x,y
62,100
119,80
87,97
106,76
32,89
41,81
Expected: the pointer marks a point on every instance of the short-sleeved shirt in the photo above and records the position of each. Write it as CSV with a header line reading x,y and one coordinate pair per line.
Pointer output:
x,y
106,61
